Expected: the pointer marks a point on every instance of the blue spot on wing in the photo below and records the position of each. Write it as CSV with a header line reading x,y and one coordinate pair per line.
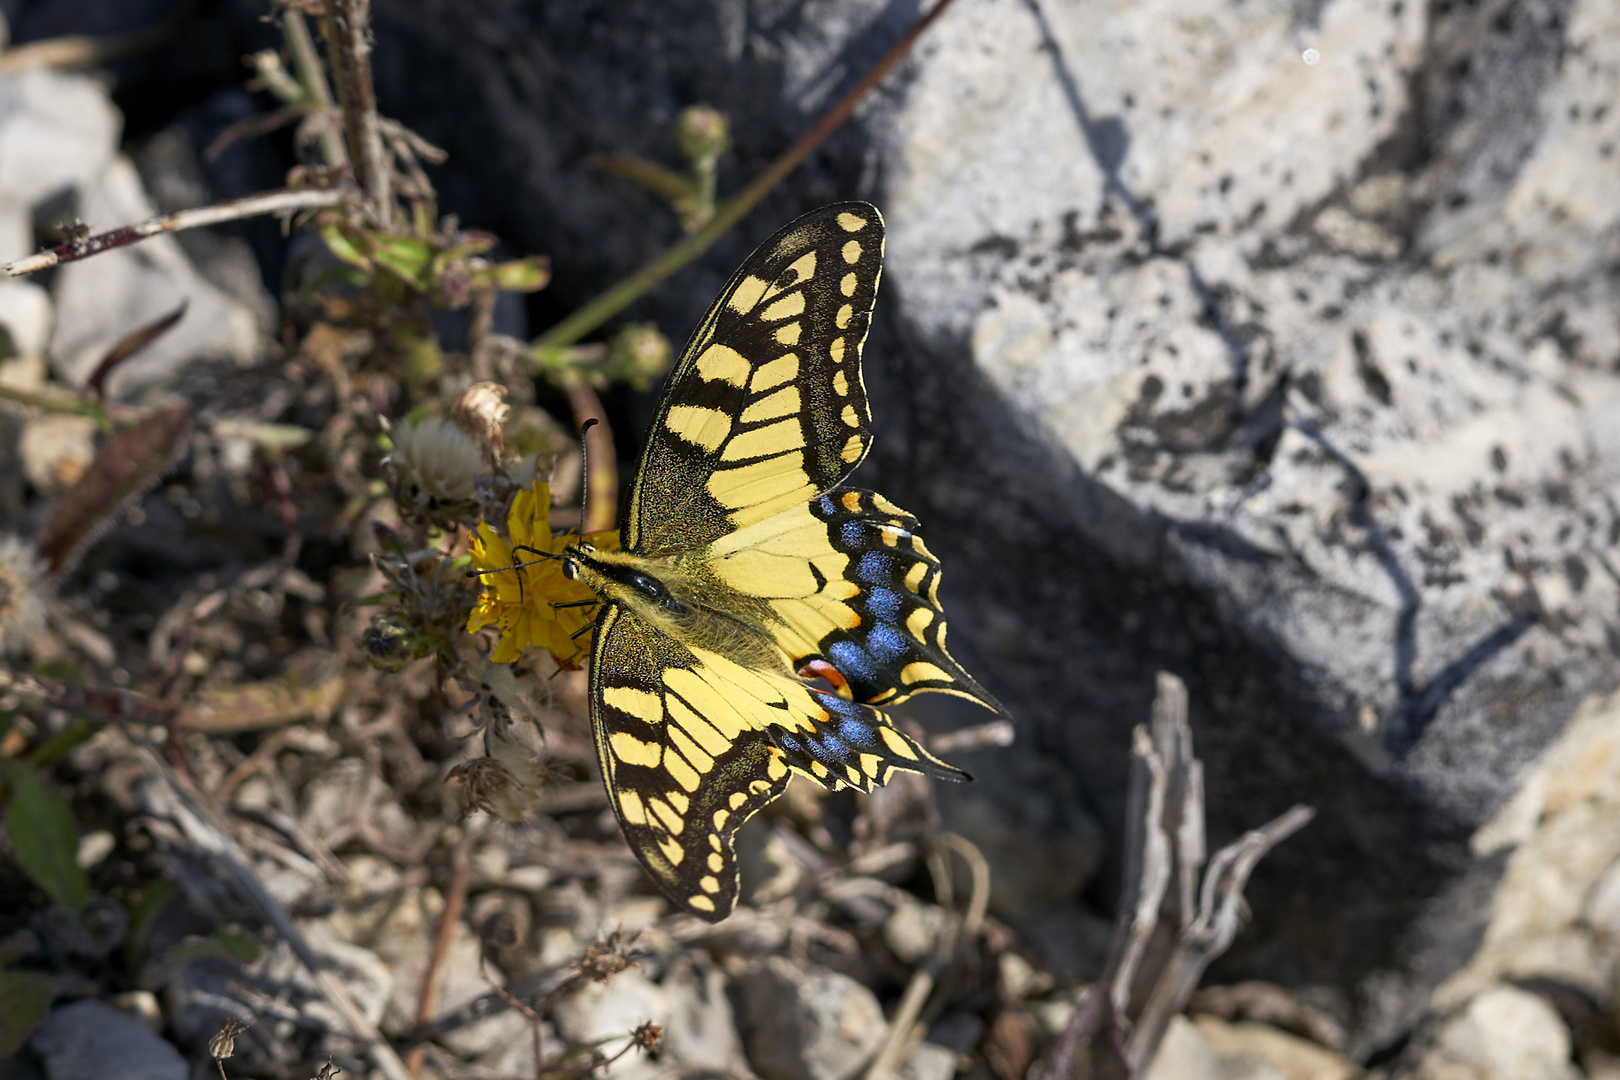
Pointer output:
x,y
886,643
833,745
852,534
875,568
884,603
857,732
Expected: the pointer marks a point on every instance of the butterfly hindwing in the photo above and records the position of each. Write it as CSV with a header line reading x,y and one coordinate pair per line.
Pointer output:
x,y
693,744
766,408
850,583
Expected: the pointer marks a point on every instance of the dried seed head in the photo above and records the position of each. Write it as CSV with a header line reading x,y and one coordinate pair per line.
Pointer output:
x,y
607,957
223,1044
490,786
436,461
23,587
389,644
647,1037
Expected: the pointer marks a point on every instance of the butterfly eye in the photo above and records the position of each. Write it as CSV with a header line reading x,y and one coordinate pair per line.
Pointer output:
x,y
570,569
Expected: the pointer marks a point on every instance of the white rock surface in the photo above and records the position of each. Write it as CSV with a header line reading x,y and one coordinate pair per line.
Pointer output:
x,y
55,450
25,316
56,132
1184,1054
91,1040
1253,1050
928,1061
1507,1034
689,1004
1553,913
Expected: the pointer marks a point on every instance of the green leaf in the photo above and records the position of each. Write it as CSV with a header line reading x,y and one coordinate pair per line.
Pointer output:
x,y
42,832
345,246
518,275
57,747
406,256
25,997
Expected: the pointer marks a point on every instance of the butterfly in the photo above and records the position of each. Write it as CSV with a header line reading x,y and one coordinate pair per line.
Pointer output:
x,y
759,611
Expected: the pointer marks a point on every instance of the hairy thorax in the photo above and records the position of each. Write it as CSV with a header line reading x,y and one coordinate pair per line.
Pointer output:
x,y
682,597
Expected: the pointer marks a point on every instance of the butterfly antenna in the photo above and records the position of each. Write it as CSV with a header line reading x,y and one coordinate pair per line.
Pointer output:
x,y
584,472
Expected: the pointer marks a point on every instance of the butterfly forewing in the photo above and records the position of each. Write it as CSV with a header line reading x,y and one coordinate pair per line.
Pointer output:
x,y
680,782
766,408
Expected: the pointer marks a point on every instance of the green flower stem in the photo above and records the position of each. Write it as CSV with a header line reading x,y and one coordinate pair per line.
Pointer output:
x,y
313,79
732,210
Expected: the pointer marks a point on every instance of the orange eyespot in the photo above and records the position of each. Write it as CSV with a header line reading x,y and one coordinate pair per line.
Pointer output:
x,y
820,669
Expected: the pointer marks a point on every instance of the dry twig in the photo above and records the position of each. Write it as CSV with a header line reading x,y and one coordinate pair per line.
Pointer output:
x,y
349,50
454,901
269,202
1177,915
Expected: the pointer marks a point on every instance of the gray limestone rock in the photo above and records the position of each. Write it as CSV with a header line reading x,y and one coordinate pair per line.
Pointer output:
x,y
804,1022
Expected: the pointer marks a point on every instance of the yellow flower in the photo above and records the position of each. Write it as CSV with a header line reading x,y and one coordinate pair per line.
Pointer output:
x,y
521,599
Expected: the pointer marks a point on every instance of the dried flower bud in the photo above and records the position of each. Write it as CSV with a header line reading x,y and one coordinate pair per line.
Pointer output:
x,y
481,412
605,959
489,786
223,1044
638,355
703,133
23,583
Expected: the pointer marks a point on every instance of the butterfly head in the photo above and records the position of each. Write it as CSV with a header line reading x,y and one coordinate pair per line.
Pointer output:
x,y
619,577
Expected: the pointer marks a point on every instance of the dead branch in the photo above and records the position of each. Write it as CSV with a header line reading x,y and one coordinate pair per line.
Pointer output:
x,y
1176,915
